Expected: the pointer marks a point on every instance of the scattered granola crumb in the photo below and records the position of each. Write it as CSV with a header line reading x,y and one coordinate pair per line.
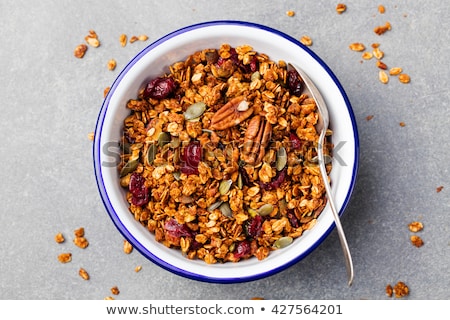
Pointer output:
x,y
112,64
367,55
377,53
402,124
108,298
81,242
381,65
439,189
389,290
357,46
290,13
105,91
127,247
257,298
80,50
379,30
59,238
65,257
381,9
401,290
416,241
123,40
369,117
415,226
83,273
115,290
395,71
340,8
306,40
133,39
79,232
383,77
142,37
404,78
92,39
138,268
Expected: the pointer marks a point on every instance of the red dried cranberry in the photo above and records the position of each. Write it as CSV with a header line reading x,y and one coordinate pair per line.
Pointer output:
x,y
294,83
276,182
139,192
243,249
245,177
253,227
293,219
159,88
176,229
254,64
191,158
296,143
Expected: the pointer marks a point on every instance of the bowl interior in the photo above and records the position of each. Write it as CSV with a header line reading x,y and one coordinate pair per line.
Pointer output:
x,y
154,61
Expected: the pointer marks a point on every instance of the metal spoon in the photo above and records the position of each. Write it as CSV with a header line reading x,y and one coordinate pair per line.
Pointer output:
x,y
322,126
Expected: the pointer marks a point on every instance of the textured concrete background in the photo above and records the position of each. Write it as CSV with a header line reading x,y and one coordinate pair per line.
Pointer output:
x,y
50,102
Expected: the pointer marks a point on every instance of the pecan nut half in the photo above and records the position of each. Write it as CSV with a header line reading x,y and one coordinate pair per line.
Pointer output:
x,y
232,113
256,139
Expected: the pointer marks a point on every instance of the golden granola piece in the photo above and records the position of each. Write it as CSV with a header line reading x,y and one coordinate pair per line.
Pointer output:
x,y
127,247
65,257
84,274
401,290
357,46
416,241
59,238
80,50
81,242
415,226
340,8
92,39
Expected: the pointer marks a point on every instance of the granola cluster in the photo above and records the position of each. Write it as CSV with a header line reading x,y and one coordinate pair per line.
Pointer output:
x,y
219,156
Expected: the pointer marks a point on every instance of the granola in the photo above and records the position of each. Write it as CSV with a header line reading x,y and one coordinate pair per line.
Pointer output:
x,y
219,156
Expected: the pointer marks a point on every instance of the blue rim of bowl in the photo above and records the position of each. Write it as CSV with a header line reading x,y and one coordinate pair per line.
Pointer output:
x,y
104,195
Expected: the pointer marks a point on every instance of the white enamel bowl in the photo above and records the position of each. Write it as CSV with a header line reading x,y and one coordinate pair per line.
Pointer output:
x,y
153,61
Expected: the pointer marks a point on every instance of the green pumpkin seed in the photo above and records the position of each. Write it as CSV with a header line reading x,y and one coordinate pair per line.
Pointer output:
x,y
265,209
225,186
240,182
151,153
283,242
281,158
129,167
175,142
255,76
163,139
215,205
177,175
225,209
195,110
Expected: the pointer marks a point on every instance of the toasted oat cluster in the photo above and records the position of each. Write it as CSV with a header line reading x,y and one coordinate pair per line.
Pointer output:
x,y
219,156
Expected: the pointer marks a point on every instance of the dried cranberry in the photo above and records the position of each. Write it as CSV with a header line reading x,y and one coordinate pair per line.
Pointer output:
x,y
276,182
293,219
159,88
139,191
294,83
176,229
243,249
296,143
254,64
253,227
191,158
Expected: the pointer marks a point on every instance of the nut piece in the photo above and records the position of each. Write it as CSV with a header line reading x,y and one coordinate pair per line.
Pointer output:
x,y
416,241
59,238
228,116
65,257
256,138
415,226
357,46
83,273
133,39
340,8
306,40
127,247
80,50
401,290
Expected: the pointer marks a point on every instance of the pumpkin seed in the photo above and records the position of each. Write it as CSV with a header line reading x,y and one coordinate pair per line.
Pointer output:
x,y
225,209
240,182
129,167
326,158
283,242
255,76
163,139
177,175
215,205
151,153
265,209
195,110
281,158
225,186
175,142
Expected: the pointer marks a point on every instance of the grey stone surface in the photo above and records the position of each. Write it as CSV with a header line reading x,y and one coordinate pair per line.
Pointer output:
x,y
50,101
